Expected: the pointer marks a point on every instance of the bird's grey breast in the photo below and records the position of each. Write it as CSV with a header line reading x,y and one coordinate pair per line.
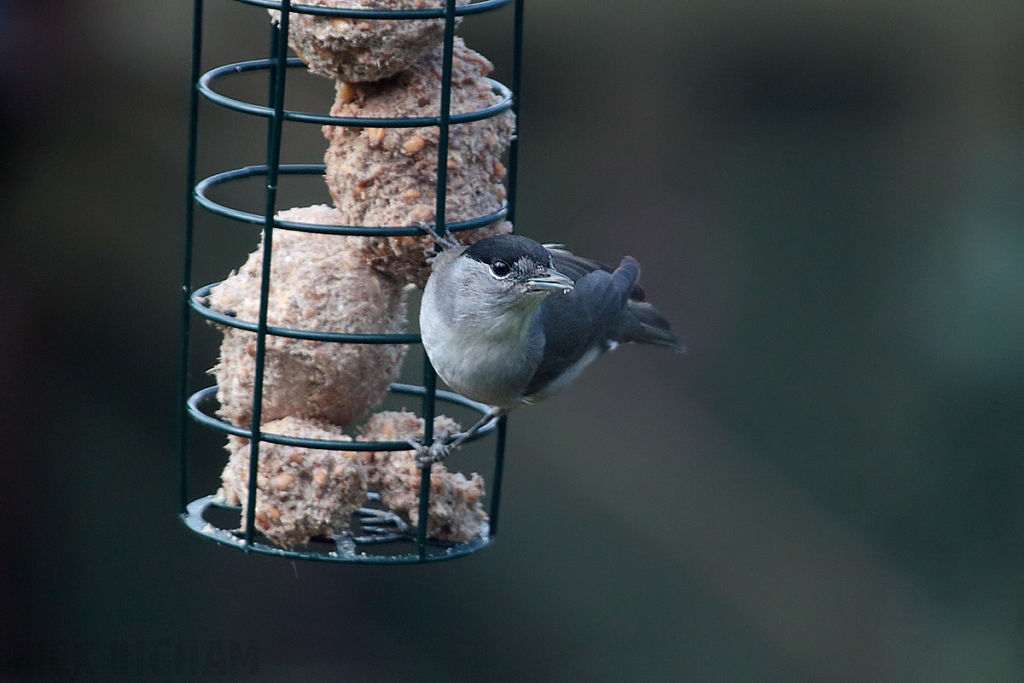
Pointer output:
x,y
485,354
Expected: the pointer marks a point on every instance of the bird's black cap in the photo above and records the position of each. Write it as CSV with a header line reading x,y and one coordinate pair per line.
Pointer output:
x,y
508,248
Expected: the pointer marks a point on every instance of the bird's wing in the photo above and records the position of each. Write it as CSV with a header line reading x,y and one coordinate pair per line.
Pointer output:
x,y
576,267
577,325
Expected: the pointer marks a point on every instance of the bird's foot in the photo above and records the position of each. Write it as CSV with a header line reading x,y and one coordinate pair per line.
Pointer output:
x,y
439,449
380,526
441,242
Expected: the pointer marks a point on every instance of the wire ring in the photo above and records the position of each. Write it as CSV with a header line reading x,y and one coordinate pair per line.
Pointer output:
x,y
207,420
196,301
473,8
318,169
345,550
347,121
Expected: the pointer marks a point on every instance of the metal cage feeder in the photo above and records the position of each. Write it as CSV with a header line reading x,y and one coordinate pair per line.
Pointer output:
x,y
205,515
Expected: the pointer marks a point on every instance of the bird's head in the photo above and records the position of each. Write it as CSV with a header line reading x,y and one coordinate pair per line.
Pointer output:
x,y
510,271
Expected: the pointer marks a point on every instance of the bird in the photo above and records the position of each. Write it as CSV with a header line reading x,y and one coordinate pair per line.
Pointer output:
x,y
508,321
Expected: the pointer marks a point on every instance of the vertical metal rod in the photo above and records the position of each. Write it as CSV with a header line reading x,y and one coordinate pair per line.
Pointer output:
x,y
186,286
272,74
517,87
429,375
429,395
513,175
273,164
499,466
446,101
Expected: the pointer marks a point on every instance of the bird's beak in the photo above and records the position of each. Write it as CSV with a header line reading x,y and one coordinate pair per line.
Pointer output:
x,y
551,281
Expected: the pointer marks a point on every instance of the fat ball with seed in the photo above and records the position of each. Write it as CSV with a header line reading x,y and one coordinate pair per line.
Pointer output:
x,y
362,49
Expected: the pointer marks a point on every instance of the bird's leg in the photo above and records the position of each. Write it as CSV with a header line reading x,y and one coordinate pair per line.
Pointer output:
x,y
437,451
441,242
440,448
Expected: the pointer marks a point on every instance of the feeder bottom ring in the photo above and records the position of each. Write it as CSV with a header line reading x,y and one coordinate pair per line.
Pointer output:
x,y
201,515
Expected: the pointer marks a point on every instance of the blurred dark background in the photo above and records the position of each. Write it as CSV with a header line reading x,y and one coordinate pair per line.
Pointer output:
x,y
828,202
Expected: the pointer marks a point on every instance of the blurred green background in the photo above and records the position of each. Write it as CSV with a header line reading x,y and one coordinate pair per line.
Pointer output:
x,y
828,202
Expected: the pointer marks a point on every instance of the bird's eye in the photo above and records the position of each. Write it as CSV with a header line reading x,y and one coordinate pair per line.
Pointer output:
x,y
500,269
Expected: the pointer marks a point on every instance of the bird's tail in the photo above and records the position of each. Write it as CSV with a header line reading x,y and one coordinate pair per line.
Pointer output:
x,y
644,324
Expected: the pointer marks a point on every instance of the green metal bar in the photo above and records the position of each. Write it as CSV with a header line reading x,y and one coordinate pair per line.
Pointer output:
x,y
429,375
513,175
429,396
499,466
186,286
445,117
273,161
272,75
517,89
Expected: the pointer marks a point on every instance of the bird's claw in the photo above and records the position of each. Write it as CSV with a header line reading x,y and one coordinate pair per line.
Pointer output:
x,y
374,520
442,242
438,450
381,526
